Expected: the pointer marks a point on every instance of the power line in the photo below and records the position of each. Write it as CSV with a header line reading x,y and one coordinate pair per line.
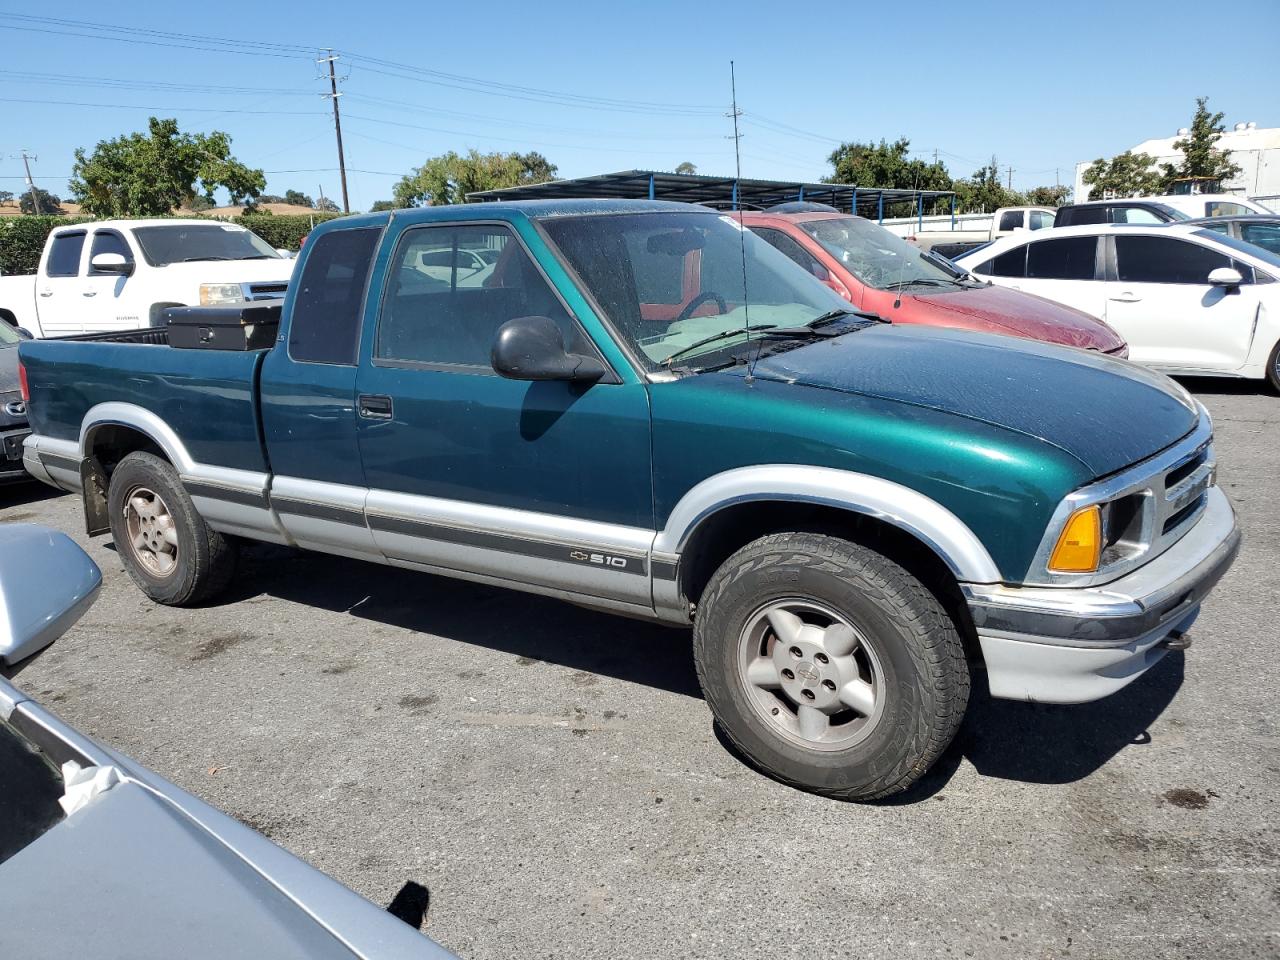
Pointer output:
x,y
138,106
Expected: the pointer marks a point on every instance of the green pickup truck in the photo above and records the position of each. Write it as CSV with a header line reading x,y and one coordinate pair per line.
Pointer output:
x,y
638,407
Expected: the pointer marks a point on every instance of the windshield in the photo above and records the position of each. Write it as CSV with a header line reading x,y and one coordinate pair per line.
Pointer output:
x,y
174,243
875,256
8,335
1268,257
668,280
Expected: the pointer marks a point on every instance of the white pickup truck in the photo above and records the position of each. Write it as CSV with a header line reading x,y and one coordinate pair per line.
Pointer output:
x,y
1006,220
121,274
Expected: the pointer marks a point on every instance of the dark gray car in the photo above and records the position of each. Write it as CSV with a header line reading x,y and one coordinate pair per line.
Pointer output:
x,y
1259,229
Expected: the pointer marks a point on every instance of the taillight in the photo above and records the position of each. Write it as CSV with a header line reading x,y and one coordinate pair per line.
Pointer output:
x,y
22,383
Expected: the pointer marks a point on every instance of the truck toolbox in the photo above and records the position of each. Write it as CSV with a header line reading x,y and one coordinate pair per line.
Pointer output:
x,y
241,326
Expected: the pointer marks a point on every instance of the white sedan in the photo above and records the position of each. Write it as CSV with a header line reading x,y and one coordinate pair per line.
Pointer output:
x,y
1188,300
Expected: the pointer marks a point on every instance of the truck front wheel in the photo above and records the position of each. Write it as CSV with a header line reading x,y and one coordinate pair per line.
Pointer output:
x,y
167,548
828,666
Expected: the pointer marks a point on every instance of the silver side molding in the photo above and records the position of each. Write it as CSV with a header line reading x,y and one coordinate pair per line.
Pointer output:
x,y
926,519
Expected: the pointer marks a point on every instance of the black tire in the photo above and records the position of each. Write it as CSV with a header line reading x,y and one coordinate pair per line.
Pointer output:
x,y
1273,368
926,675
205,560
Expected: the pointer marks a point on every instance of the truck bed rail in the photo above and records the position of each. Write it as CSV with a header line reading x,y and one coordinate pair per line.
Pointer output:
x,y
157,336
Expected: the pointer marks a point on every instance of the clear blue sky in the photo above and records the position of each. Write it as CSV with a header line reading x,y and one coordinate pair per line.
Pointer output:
x,y
1041,86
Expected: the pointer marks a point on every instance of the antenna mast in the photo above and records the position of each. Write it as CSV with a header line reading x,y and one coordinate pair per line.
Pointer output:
x,y
737,206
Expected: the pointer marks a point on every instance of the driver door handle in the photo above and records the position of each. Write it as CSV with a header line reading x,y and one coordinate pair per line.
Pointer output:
x,y
46,293
88,293
375,406
1125,297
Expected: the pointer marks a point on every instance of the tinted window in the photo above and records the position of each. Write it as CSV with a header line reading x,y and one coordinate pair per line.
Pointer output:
x,y
108,241
1011,263
1135,215
1010,220
1165,260
1074,216
64,255
451,314
1040,219
792,249
1265,235
326,310
1066,258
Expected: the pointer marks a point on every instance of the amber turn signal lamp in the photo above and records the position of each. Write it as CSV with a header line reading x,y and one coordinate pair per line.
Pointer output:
x,y
1080,545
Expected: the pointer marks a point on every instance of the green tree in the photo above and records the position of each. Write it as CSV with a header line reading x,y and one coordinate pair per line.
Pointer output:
x,y
6,196
1201,159
984,193
381,205
886,165
199,204
1054,196
327,205
151,174
450,177
686,168
48,203
298,198
1127,174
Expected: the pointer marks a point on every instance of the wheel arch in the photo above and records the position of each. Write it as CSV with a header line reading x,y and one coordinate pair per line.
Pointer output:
x,y
124,427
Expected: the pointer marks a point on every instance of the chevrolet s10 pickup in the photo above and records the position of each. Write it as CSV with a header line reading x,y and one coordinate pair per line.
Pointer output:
x,y
640,407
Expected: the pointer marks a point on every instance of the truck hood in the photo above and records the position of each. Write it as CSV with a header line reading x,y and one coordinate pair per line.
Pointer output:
x,y
237,271
1106,413
1001,310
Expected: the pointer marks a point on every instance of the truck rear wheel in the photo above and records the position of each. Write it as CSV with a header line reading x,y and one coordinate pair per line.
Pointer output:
x,y
828,666
167,548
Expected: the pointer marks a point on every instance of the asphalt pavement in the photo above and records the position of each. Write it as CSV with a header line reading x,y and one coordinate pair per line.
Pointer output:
x,y
552,777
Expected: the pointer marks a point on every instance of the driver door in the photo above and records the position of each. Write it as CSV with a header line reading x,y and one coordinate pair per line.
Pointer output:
x,y
544,482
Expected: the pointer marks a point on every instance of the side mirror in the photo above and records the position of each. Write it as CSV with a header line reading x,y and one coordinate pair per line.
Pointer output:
x,y
532,348
1225,277
111,263
24,333
46,584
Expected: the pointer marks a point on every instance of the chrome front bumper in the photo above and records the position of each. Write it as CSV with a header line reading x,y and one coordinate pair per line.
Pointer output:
x,y
1073,645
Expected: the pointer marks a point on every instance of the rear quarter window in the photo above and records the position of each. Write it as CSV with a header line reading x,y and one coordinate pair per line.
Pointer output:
x,y
325,325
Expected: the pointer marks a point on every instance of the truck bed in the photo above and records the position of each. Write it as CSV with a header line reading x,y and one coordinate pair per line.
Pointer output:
x,y
206,396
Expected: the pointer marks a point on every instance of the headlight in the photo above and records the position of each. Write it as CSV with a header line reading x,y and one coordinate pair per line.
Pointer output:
x,y
1079,547
215,293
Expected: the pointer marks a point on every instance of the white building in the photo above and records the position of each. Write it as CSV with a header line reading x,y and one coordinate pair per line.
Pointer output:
x,y
1256,151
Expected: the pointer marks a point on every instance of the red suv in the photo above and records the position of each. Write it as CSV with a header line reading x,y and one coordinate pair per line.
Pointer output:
x,y
883,274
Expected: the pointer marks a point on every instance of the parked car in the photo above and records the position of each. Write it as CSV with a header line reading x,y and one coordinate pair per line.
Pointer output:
x,y
13,409
1197,205
883,274
122,274
99,856
1146,211
1006,220
648,410
1258,229
1188,300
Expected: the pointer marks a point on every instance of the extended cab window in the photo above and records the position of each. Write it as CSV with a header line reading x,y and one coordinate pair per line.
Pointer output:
x,y
64,254
108,241
451,288
1134,215
1041,219
1224,208
1066,258
1165,260
325,327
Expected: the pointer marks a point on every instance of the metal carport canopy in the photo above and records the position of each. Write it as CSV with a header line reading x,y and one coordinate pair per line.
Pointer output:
x,y
726,191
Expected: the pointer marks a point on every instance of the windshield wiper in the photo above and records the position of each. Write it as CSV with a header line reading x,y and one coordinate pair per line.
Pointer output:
x,y
920,281
200,259
722,335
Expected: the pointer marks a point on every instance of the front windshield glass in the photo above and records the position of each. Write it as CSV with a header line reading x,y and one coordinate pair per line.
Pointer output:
x,y
875,256
669,280
1171,212
1268,257
8,335
183,243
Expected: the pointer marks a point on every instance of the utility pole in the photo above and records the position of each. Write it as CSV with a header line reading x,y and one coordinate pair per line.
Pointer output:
x,y
1011,178
31,185
337,126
